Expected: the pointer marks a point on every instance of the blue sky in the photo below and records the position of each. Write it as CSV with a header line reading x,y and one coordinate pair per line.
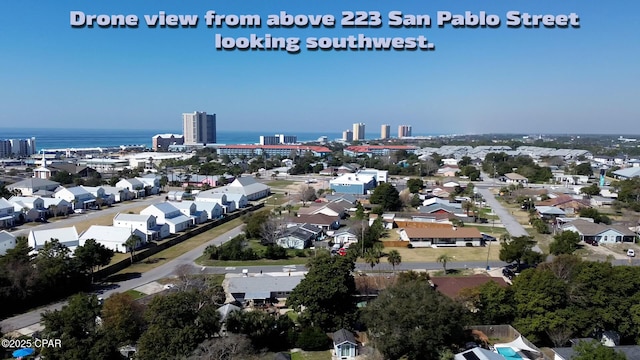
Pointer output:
x,y
479,80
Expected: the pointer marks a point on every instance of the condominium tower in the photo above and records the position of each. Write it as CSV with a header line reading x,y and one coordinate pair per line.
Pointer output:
x,y
199,128
358,131
347,135
385,131
404,131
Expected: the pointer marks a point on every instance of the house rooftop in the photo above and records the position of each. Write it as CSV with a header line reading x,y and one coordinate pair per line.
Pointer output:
x,y
342,336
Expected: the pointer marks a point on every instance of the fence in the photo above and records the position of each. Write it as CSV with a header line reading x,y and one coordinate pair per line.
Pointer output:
x,y
395,243
156,248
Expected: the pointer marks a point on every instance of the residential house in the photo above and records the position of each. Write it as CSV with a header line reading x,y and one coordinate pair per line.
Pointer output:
x,y
601,233
325,222
7,210
439,208
211,209
28,208
165,213
218,198
57,207
549,212
453,236
345,237
335,209
77,196
247,186
345,346
240,200
151,183
119,194
298,236
7,242
189,208
224,311
260,289
176,195
112,237
72,169
100,194
455,286
28,187
388,220
353,184
478,353
134,185
601,201
67,236
628,173
352,199
567,203
448,171
381,176
513,178
145,223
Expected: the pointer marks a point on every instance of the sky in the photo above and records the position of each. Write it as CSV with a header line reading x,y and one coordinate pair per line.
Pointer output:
x,y
476,80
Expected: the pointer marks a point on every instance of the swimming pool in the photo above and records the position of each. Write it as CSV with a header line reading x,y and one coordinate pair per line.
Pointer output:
x,y
508,353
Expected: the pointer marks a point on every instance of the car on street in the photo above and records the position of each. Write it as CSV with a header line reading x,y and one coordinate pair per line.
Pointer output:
x,y
631,253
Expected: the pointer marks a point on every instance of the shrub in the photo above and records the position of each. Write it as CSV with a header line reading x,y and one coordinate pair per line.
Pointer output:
x,y
275,252
313,339
301,253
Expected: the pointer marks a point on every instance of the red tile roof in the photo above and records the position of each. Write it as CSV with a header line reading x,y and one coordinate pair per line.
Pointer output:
x,y
285,147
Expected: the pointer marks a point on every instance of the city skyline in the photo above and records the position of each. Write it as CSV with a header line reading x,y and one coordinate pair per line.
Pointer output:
x,y
483,80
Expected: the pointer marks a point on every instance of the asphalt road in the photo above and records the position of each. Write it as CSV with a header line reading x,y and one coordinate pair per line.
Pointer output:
x,y
165,270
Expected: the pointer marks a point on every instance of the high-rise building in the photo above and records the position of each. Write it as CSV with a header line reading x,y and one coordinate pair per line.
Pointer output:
x,y
404,131
358,131
199,128
385,131
347,135
17,147
278,139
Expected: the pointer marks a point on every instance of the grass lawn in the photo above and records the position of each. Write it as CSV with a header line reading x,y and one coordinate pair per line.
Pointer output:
x,y
280,183
311,355
460,254
181,248
490,230
106,220
135,294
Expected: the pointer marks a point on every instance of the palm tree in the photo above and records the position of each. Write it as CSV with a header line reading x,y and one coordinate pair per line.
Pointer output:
x,y
467,206
372,257
131,244
394,259
444,259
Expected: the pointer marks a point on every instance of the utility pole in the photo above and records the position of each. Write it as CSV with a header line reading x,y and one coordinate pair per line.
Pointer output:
x,y
493,221
362,238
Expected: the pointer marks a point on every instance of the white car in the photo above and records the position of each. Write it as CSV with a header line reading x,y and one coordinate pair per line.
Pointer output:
x,y
78,211
631,253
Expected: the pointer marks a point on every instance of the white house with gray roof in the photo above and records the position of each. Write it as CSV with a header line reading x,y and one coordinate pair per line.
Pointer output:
x,y
134,185
212,209
7,219
262,288
247,186
165,213
145,223
67,236
112,237
77,196
57,206
218,198
29,186
189,208
7,241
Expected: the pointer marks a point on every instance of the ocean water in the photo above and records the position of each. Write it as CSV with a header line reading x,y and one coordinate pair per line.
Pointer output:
x,y
81,138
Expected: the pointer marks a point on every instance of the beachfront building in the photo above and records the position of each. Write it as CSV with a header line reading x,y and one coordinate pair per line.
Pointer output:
x,y
272,150
377,150
199,128
385,132
161,142
278,139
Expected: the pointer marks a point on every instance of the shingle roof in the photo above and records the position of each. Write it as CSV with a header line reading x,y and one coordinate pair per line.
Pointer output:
x,y
341,336
32,183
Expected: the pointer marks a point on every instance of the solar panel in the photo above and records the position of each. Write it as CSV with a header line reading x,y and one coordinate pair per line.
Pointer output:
x,y
470,355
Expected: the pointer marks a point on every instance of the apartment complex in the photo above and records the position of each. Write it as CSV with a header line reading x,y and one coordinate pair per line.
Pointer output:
x,y
347,135
358,131
161,142
17,147
404,131
385,131
278,139
199,128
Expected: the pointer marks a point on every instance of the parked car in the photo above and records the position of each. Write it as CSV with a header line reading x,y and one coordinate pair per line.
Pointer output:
x,y
79,211
631,253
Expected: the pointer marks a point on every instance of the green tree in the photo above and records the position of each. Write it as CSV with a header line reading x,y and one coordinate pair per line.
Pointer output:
x,y
264,330
372,257
253,223
326,292
131,244
387,196
565,242
595,215
413,321
495,304
594,350
360,214
517,249
77,326
91,255
415,185
583,169
444,259
591,190
122,318
394,258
